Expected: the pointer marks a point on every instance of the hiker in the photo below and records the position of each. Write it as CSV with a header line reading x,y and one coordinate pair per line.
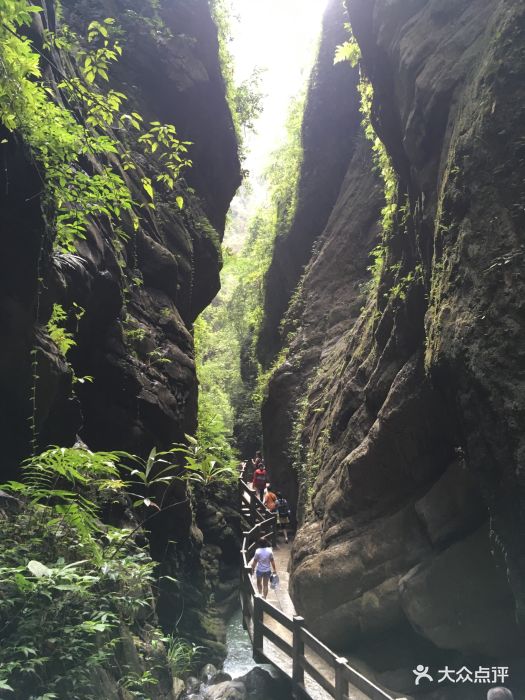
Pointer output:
x,y
257,460
252,464
262,564
500,693
270,500
259,480
283,513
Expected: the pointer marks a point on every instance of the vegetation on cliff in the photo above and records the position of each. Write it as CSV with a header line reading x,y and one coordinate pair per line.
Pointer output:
x,y
231,378
79,595
75,589
72,587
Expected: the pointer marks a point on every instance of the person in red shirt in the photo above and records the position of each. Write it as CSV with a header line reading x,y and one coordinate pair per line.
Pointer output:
x,y
259,480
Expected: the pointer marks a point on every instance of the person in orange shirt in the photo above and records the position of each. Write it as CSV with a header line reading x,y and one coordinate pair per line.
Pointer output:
x,y
270,500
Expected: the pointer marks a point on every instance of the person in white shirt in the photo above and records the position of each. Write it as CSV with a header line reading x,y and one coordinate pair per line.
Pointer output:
x,y
262,564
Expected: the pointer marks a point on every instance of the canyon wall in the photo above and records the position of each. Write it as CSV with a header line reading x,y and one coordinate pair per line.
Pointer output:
x,y
398,411
327,148
135,301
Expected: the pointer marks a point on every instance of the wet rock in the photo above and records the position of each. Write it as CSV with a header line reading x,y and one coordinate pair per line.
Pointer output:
x,y
262,685
331,114
192,684
219,677
207,673
178,688
230,690
453,506
444,601
401,398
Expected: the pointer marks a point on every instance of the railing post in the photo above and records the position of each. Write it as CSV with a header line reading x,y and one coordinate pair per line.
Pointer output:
x,y
297,652
253,505
258,632
240,490
274,531
245,594
341,684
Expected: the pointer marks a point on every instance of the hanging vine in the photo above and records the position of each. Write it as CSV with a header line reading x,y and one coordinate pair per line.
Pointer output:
x,y
56,97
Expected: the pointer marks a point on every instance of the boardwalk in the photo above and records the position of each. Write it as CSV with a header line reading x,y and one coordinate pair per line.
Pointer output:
x,y
278,635
281,600
279,597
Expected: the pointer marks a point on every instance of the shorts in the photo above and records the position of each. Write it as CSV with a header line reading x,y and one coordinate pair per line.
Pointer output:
x,y
284,520
263,574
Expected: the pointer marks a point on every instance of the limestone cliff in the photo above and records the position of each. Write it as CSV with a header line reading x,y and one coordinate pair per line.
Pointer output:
x,y
134,333
134,401
327,149
409,444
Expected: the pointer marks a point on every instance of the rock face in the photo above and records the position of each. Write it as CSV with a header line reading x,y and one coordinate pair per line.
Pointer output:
x,y
401,400
170,70
138,299
327,151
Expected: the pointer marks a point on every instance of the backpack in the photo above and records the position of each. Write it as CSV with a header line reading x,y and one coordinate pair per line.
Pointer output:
x,y
282,507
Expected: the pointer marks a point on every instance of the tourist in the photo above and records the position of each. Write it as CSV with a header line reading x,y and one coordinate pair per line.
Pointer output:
x,y
257,460
262,564
270,500
283,512
500,693
251,465
259,480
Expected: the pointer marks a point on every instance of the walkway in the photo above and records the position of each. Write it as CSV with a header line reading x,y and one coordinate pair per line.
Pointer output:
x,y
279,596
278,635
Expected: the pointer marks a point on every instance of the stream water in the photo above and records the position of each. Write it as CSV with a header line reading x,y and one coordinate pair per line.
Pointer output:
x,y
239,660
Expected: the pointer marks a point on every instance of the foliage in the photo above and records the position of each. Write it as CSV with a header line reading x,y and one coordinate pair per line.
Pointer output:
x,y
69,127
245,99
231,389
248,100
182,655
55,480
202,465
400,289
382,160
62,338
66,591
348,50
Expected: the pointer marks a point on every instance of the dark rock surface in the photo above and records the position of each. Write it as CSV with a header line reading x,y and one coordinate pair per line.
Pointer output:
x,y
331,114
408,448
261,684
257,684
173,261
135,335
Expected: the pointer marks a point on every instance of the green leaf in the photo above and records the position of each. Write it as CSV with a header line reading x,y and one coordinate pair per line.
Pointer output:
x,y
38,569
180,202
148,187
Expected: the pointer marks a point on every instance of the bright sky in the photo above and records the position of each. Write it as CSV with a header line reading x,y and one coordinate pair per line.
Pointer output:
x,y
280,36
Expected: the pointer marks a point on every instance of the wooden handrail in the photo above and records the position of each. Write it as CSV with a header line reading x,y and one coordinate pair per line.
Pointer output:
x,y
302,644
318,647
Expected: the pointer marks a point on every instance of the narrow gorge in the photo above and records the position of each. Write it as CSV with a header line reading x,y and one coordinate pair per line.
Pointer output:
x,y
395,418
367,338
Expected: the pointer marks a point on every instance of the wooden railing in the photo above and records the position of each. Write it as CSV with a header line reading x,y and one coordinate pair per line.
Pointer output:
x,y
284,641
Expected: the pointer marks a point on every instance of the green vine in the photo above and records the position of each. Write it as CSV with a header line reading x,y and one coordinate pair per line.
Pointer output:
x,y
350,51
71,129
58,100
